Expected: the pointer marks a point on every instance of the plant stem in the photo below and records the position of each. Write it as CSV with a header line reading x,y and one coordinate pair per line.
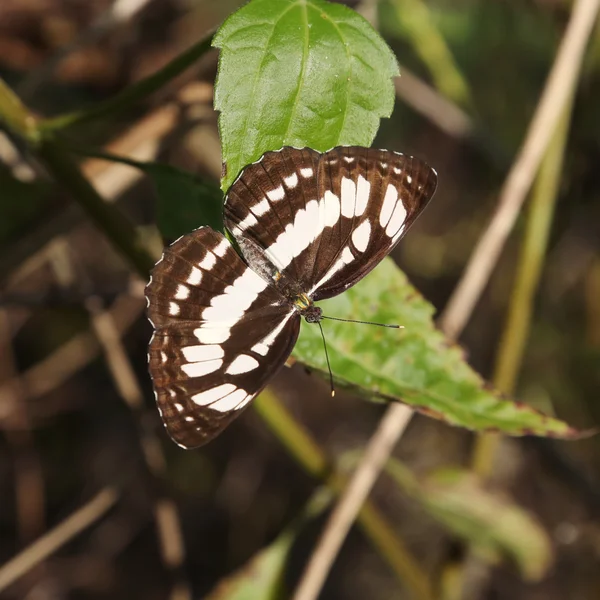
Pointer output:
x,y
112,223
419,28
16,116
518,322
136,92
307,453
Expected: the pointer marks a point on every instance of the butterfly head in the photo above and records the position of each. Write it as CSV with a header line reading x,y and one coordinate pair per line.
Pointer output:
x,y
312,314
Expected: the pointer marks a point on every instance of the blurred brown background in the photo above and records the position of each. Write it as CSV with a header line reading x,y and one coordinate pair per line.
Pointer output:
x,y
66,431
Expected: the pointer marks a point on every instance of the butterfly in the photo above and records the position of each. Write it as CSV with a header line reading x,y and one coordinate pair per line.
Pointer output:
x,y
308,226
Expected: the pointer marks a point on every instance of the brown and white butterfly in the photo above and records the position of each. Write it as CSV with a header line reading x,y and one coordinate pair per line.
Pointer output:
x,y
309,225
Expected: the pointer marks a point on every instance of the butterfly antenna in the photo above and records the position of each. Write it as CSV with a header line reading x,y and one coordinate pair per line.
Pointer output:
x,y
363,322
327,357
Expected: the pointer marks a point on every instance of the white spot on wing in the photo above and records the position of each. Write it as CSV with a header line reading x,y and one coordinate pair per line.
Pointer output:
x,y
306,172
361,235
198,369
278,193
183,292
389,202
409,179
242,364
332,208
349,159
265,344
261,208
292,181
195,276
347,256
231,401
397,220
214,394
213,335
363,191
249,221
348,197
203,352
297,236
221,247
174,308
236,299
208,262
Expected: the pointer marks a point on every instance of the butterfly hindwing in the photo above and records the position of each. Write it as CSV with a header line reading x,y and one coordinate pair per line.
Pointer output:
x,y
221,333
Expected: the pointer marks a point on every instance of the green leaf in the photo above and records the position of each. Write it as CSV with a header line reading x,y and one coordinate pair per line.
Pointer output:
x,y
415,365
299,72
493,523
184,202
263,576
21,203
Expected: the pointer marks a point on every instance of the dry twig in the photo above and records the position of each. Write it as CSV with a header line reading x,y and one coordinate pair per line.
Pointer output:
x,y
57,537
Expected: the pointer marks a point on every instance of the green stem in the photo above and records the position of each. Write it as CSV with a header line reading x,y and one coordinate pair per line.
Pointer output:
x,y
313,460
16,116
518,322
134,93
113,224
67,174
418,26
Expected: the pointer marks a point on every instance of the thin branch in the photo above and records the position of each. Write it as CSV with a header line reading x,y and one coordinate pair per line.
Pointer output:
x,y
166,515
88,514
561,81
307,453
378,450
130,96
51,372
111,222
30,496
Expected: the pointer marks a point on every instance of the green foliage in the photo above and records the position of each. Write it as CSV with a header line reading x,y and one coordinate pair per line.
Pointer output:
x,y
493,523
263,575
415,365
184,202
299,72
20,203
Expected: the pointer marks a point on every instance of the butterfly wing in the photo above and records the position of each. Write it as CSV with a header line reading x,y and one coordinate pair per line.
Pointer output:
x,y
221,332
378,195
325,220
273,211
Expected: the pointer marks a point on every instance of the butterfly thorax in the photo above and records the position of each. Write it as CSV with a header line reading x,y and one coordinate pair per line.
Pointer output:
x,y
305,306
290,289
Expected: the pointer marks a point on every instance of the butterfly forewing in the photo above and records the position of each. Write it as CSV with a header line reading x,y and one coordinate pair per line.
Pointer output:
x,y
221,333
326,220
273,206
